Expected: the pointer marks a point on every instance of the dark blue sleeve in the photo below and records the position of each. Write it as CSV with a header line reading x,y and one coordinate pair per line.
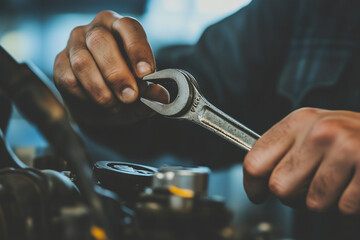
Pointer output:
x,y
238,60
234,62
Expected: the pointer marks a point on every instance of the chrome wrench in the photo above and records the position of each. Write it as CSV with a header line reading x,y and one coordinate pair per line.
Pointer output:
x,y
189,104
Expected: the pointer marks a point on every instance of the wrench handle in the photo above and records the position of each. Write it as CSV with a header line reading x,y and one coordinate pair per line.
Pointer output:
x,y
211,118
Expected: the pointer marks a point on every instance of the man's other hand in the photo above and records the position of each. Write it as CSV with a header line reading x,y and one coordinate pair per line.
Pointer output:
x,y
311,156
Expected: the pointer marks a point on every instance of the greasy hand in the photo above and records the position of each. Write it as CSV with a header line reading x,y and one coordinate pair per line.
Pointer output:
x,y
311,156
100,66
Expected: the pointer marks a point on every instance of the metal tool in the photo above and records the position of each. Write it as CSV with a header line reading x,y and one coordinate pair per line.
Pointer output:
x,y
193,179
191,105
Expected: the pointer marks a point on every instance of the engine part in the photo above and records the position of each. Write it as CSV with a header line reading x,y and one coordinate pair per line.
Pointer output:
x,y
31,201
128,180
177,207
191,179
23,86
46,204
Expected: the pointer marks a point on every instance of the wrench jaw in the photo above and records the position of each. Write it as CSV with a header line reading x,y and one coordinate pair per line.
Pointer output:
x,y
183,98
154,105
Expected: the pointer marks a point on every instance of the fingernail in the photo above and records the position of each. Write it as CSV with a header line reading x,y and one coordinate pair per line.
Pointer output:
x,y
143,67
127,94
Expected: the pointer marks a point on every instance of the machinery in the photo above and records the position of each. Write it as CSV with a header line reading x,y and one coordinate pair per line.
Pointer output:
x,y
67,197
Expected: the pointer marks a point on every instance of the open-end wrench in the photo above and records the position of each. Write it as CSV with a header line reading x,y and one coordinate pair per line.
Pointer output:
x,y
191,105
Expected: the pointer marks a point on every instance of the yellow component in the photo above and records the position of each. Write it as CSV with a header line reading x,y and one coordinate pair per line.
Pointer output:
x,y
185,193
98,233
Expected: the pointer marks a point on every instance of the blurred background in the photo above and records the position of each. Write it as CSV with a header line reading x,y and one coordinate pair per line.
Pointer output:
x,y
36,30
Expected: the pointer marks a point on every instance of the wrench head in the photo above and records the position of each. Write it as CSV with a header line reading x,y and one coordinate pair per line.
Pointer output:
x,y
183,98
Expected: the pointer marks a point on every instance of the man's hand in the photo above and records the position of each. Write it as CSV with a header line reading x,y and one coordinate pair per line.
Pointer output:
x,y
101,63
311,154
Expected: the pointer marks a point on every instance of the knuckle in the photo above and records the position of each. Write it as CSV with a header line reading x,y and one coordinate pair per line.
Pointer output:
x,y
135,45
79,61
59,57
139,48
95,36
115,77
303,113
252,166
348,148
129,21
104,15
69,83
349,205
131,25
57,82
59,60
325,130
61,79
278,187
77,32
319,186
317,194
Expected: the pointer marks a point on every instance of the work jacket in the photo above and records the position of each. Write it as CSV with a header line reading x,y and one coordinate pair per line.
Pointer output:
x,y
258,65
268,59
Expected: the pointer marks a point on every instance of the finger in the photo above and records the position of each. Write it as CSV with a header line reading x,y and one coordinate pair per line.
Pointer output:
x,y
329,182
89,76
105,18
136,46
87,72
349,203
65,79
258,164
112,65
268,151
275,143
133,40
255,188
292,175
